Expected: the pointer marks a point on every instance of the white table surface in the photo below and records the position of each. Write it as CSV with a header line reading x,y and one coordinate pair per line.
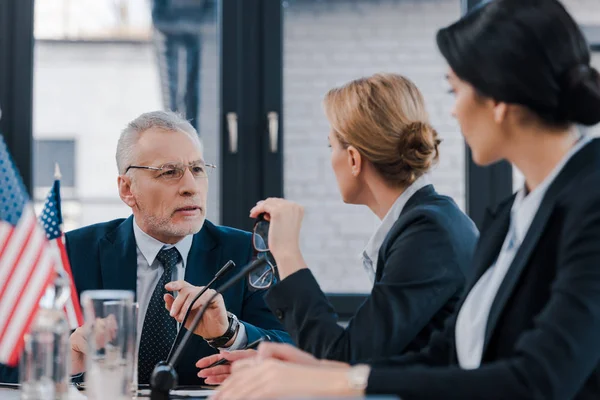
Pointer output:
x,y
14,394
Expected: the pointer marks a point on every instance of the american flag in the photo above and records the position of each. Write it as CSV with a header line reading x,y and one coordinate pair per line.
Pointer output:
x,y
26,264
51,220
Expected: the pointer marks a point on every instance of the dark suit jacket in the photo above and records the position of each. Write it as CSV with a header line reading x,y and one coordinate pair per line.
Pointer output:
x,y
542,339
103,256
421,274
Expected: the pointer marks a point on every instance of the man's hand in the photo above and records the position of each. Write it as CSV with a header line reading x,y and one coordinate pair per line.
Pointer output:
x,y
79,347
105,330
214,323
277,351
216,375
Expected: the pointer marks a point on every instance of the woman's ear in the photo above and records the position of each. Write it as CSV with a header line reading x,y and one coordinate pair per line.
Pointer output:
x,y
500,112
354,161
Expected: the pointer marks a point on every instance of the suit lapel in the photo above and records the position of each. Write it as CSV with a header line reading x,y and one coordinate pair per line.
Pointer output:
x,y
203,260
584,159
413,201
118,258
494,229
519,262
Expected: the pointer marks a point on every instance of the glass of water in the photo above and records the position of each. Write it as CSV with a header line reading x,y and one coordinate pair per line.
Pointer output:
x,y
136,350
110,330
45,364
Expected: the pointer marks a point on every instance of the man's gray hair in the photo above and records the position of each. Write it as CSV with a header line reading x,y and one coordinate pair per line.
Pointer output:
x,y
165,120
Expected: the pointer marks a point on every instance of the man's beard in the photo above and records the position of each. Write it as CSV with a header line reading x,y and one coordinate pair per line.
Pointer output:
x,y
164,225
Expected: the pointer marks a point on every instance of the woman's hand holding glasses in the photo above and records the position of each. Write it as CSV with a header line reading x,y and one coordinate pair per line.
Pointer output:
x,y
282,220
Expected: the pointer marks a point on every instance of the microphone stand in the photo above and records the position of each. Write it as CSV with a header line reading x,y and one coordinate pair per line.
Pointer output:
x,y
164,376
230,264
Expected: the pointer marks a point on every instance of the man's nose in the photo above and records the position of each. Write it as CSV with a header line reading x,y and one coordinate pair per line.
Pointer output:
x,y
188,185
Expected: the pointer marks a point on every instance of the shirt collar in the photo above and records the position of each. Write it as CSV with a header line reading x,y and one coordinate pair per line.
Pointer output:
x,y
525,206
150,247
371,251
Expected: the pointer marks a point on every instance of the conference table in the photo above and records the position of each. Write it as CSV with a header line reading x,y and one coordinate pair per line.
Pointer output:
x,y
74,394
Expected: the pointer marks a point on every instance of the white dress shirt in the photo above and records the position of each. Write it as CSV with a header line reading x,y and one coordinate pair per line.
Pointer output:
x,y
473,316
371,252
149,271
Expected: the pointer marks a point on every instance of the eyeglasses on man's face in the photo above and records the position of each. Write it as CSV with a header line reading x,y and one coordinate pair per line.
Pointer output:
x,y
265,276
174,171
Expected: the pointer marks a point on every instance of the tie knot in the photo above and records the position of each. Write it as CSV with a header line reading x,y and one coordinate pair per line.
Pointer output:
x,y
169,258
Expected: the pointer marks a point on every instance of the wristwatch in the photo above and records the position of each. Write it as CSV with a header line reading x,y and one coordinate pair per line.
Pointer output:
x,y
222,340
358,377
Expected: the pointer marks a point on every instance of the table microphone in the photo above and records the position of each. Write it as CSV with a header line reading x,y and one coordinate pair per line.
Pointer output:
x,y
164,376
225,269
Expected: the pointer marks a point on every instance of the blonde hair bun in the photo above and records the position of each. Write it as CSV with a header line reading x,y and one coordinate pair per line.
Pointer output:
x,y
384,117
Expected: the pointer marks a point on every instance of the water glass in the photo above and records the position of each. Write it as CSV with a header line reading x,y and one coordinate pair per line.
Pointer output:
x,y
44,365
110,330
136,351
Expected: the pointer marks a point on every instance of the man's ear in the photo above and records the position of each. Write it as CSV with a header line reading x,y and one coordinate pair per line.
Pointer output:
x,y
354,161
124,183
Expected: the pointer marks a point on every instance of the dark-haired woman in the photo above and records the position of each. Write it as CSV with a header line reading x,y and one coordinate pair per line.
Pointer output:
x,y
382,148
529,327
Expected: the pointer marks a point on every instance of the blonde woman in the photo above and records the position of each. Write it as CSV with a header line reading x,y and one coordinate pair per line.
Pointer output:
x,y
382,148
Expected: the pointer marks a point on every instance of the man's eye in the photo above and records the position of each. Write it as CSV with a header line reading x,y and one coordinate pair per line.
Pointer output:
x,y
169,172
198,170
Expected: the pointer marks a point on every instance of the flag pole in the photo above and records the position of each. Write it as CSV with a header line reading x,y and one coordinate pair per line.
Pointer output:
x,y
57,174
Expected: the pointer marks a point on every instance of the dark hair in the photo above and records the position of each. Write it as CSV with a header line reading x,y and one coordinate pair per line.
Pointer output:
x,y
527,52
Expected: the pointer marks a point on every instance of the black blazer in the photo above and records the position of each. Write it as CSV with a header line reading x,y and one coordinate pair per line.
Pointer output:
x,y
420,277
543,334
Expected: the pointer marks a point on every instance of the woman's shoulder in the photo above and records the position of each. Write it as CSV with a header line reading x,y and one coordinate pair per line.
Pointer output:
x,y
581,197
436,216
434,209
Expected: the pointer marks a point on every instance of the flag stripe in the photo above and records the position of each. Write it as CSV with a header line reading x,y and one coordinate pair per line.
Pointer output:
x,y
29,302
38,273
20,284
26,266
16,242
71,317
31,313
5,231
74,299
28,305
18,248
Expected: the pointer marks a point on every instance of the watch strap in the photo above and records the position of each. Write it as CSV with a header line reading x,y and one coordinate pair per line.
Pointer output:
x,y
221,341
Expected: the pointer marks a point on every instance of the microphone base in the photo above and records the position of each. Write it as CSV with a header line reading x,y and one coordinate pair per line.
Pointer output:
x,y
162,381
156,395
